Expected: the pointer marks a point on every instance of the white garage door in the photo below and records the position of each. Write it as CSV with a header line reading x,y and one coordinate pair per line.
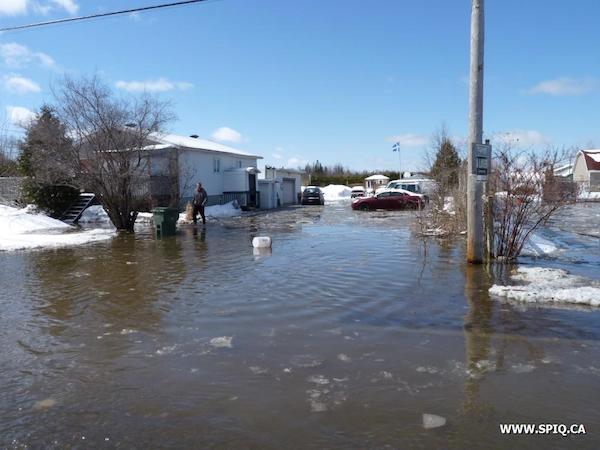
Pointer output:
x,y
288,188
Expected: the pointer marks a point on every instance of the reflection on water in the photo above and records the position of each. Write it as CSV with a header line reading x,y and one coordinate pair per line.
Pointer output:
x,y
341,336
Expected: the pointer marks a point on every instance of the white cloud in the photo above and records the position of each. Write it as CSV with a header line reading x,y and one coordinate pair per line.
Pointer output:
x,y
521,138
409,140
226,134
16,55
566,86
20,85
295,162
19,115
68,5
158,85
12,7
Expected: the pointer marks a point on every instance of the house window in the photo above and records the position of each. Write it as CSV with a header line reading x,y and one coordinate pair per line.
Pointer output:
x,y
239,163
216,165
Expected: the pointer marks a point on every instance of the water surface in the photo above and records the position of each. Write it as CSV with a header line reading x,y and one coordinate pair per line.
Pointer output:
x,y
341,337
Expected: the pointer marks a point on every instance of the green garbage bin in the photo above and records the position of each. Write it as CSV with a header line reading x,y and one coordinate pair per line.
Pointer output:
x,y
165,221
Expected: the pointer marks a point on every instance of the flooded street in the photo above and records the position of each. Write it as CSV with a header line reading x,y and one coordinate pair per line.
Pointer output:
x,y
342,337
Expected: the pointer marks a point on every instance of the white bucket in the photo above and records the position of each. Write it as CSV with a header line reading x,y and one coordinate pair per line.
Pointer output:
x,y
261,242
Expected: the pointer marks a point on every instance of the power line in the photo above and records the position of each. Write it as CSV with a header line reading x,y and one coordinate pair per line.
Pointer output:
x,y
95,16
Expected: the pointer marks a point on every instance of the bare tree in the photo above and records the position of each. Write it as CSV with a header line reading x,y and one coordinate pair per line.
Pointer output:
x,y
526,195
110,137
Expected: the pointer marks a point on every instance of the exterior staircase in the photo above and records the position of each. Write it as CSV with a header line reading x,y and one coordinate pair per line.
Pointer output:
x,y
72,215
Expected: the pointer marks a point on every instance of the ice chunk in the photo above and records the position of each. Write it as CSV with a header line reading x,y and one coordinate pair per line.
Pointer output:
x,y
44,404
222,342
318,379
433,421
549,286
344,358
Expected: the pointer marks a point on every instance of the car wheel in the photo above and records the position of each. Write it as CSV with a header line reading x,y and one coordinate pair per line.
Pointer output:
x,y
364,207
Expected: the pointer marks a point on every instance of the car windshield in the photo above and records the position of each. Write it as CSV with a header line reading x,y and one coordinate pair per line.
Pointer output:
x,y
312,191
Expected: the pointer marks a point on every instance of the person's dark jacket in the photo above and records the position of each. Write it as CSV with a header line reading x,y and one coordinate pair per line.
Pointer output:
x,y
200,197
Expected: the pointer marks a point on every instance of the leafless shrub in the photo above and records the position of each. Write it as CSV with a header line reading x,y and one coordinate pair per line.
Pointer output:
x,y
525,194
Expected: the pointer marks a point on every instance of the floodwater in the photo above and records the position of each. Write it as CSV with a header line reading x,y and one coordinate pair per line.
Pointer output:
x,y
342,337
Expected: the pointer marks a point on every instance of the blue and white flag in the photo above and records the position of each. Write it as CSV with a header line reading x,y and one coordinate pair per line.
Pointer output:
x,y
396,147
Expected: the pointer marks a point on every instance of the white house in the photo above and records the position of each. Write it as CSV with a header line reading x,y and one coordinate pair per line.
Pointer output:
x,y
586,170
177,163
283,186
375,181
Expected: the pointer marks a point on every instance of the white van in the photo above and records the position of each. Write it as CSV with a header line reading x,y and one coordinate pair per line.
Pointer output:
x,y
422,186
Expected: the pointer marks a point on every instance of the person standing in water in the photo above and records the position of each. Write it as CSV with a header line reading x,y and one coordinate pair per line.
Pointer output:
x,y
200,198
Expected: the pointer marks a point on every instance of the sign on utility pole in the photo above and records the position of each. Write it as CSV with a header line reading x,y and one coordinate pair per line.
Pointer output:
x,y
479,154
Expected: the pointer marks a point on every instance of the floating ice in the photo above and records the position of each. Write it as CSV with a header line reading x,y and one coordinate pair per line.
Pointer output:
x,y
433,421
305,361
256,370
318,379
549,286
222,342
344,358
522,368
427,369
44,404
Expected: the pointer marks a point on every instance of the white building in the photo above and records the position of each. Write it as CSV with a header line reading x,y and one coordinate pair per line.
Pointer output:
x,y
281,187
586,170
375,181
177,163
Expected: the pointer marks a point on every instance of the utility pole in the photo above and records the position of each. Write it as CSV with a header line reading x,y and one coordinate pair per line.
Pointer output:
x,y
475,186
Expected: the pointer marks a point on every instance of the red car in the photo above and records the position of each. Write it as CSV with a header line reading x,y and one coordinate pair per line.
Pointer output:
x,y
389,200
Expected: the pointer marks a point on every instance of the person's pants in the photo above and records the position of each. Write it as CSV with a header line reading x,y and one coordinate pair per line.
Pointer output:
x,y
196,210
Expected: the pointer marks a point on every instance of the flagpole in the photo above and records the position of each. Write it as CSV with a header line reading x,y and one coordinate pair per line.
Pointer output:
x,y
396,148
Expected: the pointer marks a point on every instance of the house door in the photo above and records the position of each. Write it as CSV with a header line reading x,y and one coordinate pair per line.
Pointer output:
x,y
252,190
288,188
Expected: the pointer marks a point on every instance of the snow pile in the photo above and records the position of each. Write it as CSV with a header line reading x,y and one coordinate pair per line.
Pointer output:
x,y
26,220
585,195
230,209
449,205
536,245
24,229
334,192
549,286
95,214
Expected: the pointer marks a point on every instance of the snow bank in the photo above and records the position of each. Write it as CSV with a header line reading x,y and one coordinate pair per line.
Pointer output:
x,y
230,209
95,214
536,245
585,195
26,220
334,192
549,286
24,229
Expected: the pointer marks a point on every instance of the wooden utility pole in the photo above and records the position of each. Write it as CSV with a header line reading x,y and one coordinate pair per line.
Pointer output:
x,y
475,187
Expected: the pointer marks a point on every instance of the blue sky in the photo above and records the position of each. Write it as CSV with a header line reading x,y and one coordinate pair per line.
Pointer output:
x,y
328,80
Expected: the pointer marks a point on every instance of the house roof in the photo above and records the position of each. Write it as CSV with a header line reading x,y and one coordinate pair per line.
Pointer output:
x,y
377,177
175,140
592,159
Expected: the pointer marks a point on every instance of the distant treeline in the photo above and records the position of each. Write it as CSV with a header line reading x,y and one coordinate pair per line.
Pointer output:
x,y
319,175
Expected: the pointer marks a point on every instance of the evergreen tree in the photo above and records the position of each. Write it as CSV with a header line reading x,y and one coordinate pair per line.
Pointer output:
x,y
447,163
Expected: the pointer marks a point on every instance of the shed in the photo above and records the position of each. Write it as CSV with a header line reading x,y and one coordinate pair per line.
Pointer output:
x,y
586,170
375,181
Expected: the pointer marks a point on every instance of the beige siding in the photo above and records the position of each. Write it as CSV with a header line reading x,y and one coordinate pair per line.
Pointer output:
x,y
580,172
